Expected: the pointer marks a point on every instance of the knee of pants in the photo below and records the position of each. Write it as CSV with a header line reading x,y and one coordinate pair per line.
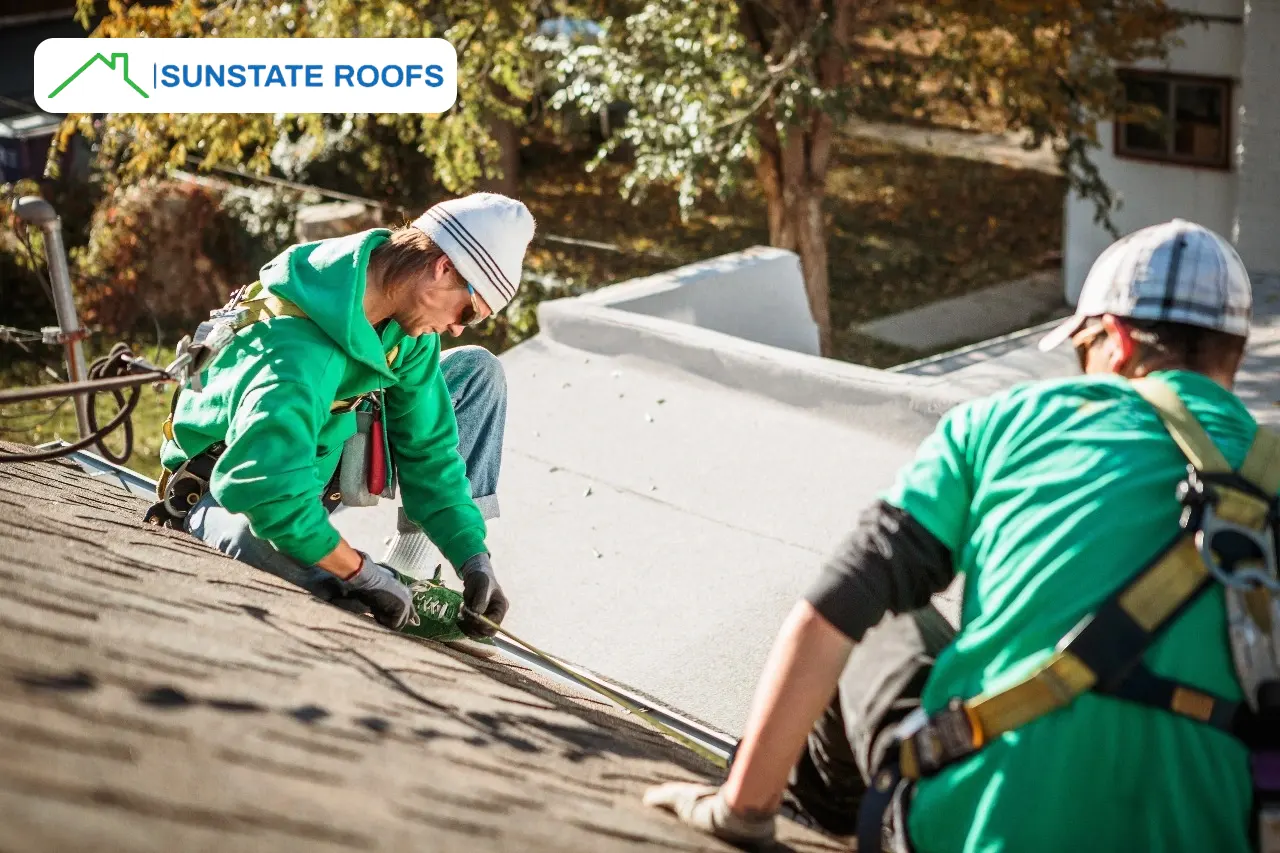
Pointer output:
x,y
226,531
230,533
475,367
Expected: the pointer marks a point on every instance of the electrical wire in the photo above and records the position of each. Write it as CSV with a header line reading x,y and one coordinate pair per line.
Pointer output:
x,y
29,427
21,234
114,372
100,370
11,335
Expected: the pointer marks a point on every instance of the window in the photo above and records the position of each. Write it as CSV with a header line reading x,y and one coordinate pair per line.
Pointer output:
x,y
1192,123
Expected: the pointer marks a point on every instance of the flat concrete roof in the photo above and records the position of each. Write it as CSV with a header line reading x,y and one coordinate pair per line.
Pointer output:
x,y
658,523
996,364
720,473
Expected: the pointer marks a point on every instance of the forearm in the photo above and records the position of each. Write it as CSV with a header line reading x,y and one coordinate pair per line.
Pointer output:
x,y
798,682
342,562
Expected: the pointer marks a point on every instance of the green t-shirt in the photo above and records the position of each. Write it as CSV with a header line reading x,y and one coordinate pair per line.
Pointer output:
x,y
1050,497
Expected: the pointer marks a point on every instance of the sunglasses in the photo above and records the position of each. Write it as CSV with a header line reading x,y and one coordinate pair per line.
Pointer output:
x,y
470,315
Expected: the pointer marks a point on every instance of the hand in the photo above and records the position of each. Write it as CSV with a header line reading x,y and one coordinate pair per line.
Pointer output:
x,y
480,594
703,808
376,587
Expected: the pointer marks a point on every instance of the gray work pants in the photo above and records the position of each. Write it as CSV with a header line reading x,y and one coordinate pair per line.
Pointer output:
x,y
879,686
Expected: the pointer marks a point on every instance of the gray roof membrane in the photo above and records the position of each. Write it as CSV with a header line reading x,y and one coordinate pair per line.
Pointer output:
x,y
658,522
668,492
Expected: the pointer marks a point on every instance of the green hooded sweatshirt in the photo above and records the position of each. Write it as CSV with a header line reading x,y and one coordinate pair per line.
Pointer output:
x,y
268,398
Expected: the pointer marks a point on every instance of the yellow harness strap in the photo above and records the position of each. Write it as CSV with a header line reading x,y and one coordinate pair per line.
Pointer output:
x,y
1182,425
262,305
1150,600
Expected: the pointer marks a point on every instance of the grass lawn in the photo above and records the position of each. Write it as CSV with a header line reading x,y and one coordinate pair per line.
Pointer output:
x,y
906,229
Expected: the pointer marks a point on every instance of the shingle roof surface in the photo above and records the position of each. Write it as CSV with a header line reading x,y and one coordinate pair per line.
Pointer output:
x,y
155,695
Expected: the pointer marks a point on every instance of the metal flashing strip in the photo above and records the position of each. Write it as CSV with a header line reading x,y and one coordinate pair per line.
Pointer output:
x,y
96,466
707,739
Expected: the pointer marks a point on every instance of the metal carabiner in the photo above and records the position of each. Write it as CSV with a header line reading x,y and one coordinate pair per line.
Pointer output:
x,y
1262,542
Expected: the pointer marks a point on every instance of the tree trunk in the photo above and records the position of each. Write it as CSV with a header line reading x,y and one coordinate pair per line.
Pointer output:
x,y
793,175
507,135
811,228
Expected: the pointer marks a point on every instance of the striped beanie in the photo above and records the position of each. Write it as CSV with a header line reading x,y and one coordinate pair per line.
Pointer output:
x,y
485,235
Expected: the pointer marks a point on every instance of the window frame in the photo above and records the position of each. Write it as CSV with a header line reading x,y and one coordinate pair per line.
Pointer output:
x,y
1174,79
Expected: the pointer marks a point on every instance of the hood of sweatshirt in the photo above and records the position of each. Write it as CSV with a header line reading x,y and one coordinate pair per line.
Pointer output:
x,y
326,279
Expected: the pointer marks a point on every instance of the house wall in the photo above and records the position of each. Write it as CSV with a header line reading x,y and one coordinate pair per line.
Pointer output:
x,y
1257,217
1150,193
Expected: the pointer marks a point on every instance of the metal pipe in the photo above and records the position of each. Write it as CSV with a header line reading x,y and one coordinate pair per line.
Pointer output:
x,y
66,389
38,212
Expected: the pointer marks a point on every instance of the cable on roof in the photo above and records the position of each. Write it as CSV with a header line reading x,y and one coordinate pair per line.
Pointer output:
x,y
113,373
644,713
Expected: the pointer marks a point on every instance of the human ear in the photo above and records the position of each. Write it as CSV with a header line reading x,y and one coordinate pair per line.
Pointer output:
x,y
1123,347
442,267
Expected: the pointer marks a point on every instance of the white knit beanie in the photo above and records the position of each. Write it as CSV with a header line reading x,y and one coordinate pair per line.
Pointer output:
x,y
485,235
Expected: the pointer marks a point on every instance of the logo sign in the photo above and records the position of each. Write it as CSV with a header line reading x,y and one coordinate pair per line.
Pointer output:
x,y
215,75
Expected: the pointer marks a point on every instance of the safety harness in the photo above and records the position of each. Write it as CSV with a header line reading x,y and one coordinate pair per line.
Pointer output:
x,y
182,488
1227,536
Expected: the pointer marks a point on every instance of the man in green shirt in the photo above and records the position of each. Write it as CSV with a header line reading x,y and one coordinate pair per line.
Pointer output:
x,y
1048,498
359,318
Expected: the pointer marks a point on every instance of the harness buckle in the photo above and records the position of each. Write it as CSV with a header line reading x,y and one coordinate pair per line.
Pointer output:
x,y
1237,556
936,741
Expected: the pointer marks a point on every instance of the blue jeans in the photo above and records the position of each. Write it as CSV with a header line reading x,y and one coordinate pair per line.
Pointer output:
x,y
478,389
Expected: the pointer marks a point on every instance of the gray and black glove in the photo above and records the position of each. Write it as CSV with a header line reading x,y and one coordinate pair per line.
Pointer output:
x,y
376,587
480,594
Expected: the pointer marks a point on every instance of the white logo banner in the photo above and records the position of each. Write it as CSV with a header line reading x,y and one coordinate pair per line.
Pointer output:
x,y
215,75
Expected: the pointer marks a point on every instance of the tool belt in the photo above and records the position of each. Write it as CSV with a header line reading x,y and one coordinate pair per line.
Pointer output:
x,y
180,490
1226,536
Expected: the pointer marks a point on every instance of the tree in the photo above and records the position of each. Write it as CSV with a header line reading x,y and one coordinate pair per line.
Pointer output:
x,y
467,147
723,89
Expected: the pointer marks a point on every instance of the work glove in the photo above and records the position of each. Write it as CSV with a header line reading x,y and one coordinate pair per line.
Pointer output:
x,y
376,587
702,807
480,594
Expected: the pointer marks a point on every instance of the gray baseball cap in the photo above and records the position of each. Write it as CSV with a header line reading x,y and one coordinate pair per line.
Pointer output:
x,y
1176,272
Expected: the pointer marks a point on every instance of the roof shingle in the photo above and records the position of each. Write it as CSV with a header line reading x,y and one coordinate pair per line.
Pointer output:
x,y
155,695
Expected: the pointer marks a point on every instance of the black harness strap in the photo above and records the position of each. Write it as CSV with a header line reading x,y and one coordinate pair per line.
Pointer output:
x,y
1104,651
1146,688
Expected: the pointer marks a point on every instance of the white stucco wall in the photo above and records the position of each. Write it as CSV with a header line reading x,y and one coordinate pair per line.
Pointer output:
x,y
1257,221
1150,193
1155,192
756,294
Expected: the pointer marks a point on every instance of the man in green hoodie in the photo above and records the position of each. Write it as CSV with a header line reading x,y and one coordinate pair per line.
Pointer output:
x,y
348,319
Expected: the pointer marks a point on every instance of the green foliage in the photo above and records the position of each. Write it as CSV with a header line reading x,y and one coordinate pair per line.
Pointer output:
x,y
689,77
492,62
24,294
710,84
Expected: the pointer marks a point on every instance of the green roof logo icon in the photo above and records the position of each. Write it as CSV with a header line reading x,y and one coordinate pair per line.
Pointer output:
x,y
120,60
